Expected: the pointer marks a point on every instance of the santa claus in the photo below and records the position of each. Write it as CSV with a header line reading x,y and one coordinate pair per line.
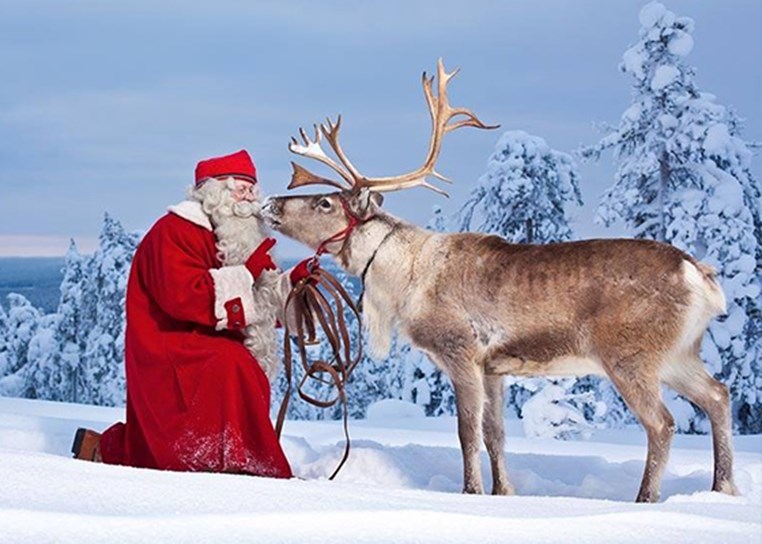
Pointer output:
x,y
203,299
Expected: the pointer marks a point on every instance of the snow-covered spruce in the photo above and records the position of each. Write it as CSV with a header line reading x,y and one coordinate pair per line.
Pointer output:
x,y
103,320
685,177
77,353
525,180
65,382
20,325
5,355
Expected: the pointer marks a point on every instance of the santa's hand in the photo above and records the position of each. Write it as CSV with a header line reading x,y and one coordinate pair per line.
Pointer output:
x,y
260,259
303,270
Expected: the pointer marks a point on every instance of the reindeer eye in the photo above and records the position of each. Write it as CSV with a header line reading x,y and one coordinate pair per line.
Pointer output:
x,y
324,204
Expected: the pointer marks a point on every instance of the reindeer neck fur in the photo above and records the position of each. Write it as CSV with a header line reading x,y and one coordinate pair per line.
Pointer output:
x,y
392,244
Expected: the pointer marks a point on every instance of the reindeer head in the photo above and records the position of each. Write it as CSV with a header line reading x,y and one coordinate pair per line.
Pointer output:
x,y
315,219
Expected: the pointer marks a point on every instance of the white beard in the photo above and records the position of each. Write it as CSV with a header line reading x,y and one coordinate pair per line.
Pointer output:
x,y
239,230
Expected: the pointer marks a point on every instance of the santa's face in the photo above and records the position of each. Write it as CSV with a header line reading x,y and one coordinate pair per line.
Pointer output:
x,y
243,191
234,208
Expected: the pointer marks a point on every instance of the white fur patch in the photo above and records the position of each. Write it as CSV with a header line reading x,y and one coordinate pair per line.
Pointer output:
x,y
284,288
192,211
379,325
706,301
231,282
710,291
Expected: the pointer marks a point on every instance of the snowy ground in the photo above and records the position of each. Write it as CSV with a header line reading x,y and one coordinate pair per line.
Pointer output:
x,y
401,484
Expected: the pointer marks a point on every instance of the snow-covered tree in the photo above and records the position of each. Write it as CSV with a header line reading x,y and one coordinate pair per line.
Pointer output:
x,y
553,411
39,369
22,321
4,342
41,359
685,177
526,183
70,342
419,381
102,317
438,222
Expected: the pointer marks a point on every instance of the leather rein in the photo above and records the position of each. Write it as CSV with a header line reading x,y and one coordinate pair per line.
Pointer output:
x,y
313,300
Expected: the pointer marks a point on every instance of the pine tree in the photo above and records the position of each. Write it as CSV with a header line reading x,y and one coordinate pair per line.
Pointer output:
x,y
421,382
22,321
684,177
70,344
438,221
526,182
5,360
102,317
41,360
554,410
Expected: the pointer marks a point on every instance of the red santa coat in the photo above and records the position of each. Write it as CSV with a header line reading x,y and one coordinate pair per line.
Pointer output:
x,y
197,400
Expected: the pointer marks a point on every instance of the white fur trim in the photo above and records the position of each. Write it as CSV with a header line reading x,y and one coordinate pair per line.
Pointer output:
x,y
261,338
231,282
192,211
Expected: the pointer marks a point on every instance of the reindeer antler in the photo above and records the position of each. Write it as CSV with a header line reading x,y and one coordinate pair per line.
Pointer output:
x,y
441,114
312,150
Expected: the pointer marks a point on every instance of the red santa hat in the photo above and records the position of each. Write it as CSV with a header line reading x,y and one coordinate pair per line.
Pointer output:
x,y
238,165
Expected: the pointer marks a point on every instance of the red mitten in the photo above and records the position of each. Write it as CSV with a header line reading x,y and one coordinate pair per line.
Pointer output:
x,y
303,270
260,259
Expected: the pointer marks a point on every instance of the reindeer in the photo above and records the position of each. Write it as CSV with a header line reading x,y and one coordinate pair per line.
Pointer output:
x,y
481,307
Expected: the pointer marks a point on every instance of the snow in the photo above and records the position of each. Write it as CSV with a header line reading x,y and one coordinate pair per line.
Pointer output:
x,y
651,13
680,44
718,140
401,484
633,60
663,76
549,414
394,408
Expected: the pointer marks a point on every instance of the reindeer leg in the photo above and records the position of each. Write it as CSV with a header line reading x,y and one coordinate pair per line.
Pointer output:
x,y
690,379
494,434
642,393
452,350
469,397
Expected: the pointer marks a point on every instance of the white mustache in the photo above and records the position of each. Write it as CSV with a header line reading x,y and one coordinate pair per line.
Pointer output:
x,y
246,209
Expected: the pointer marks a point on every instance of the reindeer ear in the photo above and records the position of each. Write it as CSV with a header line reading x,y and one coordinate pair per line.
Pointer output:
x,y
368,201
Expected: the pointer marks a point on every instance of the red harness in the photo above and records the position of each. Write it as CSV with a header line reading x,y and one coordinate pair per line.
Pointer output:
x,y
343,234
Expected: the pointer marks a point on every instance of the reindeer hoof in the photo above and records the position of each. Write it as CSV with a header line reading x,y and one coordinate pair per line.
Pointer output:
x,y
727,487
647,497
472,490
503,490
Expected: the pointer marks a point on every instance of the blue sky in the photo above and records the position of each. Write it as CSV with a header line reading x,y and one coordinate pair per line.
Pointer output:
x,y
107,106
